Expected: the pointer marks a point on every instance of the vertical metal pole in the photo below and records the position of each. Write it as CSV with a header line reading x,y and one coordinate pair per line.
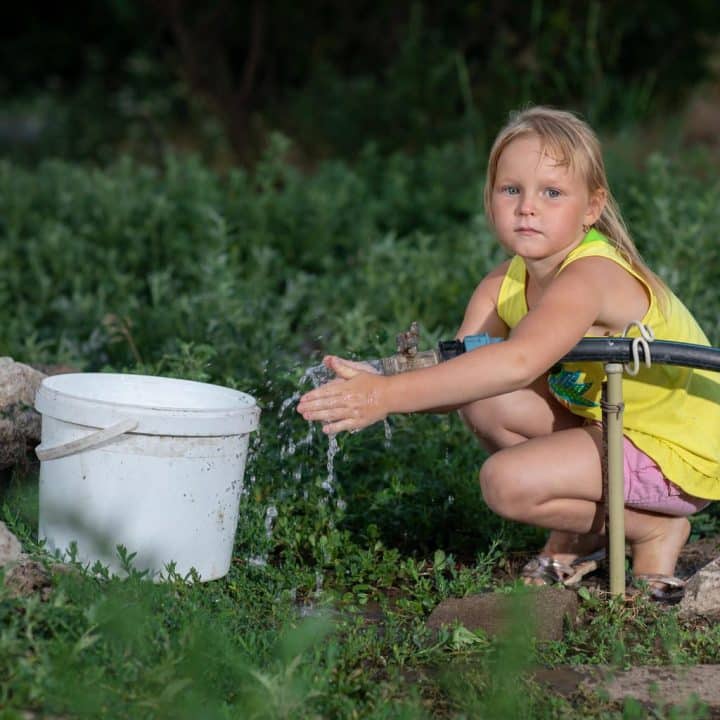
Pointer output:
x,y
612,416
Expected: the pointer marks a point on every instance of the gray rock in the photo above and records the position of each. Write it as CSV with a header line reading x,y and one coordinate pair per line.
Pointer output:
x,y
20,430
10,548
540,611
19,422
702,594
18,383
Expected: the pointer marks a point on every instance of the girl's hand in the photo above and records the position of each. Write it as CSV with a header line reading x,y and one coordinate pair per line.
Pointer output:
x,y
336,364
352,401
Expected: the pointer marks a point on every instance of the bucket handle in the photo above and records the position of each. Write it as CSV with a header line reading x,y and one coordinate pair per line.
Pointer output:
x,y
86,443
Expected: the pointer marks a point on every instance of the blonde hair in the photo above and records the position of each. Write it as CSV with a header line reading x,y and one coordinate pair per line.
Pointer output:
x,y
574,144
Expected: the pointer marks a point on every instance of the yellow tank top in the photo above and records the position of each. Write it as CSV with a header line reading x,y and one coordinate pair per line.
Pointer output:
x,y
671,413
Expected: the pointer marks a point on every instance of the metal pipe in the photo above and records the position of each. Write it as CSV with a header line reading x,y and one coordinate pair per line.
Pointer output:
x,y
615,499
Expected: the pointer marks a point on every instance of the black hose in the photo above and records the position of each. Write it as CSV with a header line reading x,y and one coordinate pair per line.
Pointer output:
x,y
662,352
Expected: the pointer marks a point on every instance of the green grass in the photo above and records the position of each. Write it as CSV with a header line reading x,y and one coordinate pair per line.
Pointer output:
x,y
245,280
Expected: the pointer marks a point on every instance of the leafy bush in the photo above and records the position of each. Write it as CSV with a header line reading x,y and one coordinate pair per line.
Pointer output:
x,y
402,76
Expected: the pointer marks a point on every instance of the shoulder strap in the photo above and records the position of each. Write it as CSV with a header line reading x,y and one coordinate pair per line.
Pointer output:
x,y
511,302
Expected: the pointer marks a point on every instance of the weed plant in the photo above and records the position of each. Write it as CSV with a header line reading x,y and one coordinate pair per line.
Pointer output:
x,y
245,280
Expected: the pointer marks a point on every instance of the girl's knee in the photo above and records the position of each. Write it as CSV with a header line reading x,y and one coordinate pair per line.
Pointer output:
x,y
488,425
501,488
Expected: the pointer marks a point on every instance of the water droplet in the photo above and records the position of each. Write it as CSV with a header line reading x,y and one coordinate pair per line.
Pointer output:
x,y
270,515
288,402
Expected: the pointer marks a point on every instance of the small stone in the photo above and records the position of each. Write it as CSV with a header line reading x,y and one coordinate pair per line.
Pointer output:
x,y
566,679
542,611
27,578
10,547
702,594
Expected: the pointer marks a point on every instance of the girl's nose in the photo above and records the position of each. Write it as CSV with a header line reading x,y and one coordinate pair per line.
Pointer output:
x,y
525,206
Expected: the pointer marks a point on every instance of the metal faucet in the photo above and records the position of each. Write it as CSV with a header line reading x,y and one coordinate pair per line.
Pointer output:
x,y
408,356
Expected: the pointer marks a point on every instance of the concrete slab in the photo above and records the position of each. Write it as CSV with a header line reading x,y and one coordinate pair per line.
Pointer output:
x,y
542,611
652,686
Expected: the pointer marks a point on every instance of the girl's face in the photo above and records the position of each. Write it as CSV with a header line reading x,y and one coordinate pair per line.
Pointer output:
x,y
538,206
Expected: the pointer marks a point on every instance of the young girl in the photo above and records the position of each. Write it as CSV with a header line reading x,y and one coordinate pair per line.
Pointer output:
x,y
575,272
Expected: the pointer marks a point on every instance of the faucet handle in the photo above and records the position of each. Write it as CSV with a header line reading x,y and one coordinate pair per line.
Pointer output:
x,y
408,341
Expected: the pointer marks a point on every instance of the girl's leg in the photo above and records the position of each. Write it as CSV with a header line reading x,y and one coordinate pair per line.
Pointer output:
x,y
555,481
506,420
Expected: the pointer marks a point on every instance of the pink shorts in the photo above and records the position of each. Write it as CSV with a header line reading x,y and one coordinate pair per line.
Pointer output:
x,y
646,488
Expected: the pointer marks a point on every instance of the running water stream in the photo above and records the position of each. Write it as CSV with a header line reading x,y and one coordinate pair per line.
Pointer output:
x,y
270,516
317,375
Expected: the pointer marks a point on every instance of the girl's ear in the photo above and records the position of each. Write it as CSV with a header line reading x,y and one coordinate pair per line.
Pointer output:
x,y
595,206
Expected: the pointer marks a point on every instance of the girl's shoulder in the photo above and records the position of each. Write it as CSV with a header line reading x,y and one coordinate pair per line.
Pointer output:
x,y
496,276
596,268
595,244
501,269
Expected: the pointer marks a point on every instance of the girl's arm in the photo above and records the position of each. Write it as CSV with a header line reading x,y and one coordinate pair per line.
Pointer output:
x,y
575,300
480,317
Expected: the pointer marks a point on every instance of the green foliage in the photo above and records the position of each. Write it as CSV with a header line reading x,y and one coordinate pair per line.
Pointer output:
x,y
672,215
245,280
143,76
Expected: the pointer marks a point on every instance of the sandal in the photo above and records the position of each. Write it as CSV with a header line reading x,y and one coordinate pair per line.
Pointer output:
x,y
669,590
551,571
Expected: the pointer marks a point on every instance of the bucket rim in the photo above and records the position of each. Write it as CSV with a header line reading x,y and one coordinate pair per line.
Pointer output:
x,y
154,417
249,401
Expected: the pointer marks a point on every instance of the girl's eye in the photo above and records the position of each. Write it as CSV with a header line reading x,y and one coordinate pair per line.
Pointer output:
x,y
509,190
552,193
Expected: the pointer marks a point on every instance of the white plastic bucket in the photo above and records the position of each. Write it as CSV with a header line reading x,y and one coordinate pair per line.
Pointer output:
x,y
152,463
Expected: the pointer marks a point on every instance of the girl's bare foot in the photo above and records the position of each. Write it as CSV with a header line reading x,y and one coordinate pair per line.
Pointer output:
x,y
657,552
